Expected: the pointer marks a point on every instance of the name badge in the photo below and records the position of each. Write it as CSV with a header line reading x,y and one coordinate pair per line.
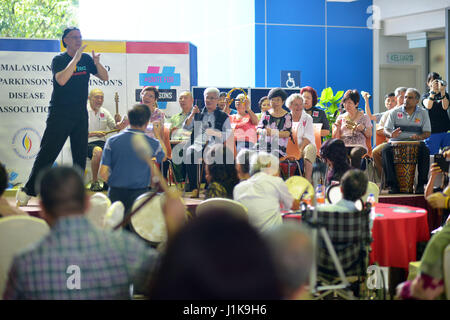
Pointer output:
x,y
399,115
417,120
304,123
315,114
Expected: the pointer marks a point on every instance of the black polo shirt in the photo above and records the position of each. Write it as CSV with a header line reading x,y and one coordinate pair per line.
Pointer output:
x,y
439,118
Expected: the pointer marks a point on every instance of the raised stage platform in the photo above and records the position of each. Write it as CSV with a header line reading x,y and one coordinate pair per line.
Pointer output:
x,y
434,216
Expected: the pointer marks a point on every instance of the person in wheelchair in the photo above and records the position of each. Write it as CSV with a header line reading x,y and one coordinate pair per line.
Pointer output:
x,y
347,227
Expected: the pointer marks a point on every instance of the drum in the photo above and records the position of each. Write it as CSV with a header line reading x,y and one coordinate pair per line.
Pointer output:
x,y
405,160
149,221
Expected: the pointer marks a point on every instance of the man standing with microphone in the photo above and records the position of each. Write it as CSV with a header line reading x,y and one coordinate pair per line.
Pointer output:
x,y
67,112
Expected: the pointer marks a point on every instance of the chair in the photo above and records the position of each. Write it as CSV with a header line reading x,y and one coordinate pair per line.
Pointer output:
x,y
371,188
99,205
318,136
210,205
298,186
334,194
349,233
114,215
16,234
447,271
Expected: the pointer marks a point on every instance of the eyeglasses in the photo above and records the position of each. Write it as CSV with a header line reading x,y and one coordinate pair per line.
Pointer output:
x,y
75,37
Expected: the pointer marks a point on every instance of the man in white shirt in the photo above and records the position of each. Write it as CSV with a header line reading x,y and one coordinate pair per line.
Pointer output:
x,y
303,130
100,121
263,192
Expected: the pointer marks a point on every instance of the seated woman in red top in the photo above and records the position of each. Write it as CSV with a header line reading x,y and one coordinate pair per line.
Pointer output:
x,y
244,124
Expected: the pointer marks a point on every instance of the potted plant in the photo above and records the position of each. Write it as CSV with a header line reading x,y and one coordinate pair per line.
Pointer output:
x,y
330,103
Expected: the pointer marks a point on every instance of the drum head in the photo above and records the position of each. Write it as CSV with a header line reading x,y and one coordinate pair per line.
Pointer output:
x,y
298,185
149,221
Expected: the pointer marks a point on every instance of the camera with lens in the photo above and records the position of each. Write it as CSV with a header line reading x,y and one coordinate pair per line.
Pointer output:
x,y
442,82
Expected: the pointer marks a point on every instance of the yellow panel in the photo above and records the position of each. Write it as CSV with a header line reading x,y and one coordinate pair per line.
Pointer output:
x,y
103,46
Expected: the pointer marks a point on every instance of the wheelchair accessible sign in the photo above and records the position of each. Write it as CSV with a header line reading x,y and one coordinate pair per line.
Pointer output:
x,y
290,79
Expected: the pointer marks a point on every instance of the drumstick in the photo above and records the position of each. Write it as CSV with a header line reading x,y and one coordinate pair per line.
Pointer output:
x,y
111,131
127,219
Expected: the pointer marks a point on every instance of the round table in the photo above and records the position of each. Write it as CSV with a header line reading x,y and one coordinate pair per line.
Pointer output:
x,y
396,231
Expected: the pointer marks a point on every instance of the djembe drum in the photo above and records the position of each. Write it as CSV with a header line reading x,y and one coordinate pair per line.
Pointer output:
x,y
405,160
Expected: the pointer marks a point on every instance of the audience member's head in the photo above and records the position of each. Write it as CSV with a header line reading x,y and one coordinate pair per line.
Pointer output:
x,y
243,163
309,97
264,162
264,104
220,167
400,95
3,179
96,98
186,100
277,92
222,101
351,95
216,256
62,193
139,115
412,97
333,151
291,247
390,101
354,184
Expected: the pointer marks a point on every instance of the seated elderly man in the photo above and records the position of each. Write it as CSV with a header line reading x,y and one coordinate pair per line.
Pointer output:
x,y
263,192
179,136
303,134
100,121
211,125
409,122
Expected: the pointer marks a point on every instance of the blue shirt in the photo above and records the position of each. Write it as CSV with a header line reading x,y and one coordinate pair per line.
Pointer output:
x,y
128,170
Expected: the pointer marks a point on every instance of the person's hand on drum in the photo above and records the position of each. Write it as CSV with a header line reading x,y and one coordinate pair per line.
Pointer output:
x,y
396,133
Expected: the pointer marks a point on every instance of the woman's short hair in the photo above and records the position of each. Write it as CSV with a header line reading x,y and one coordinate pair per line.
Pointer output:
x,y
264,162
154,89
277,92
352,95
312,92
260,102
293,97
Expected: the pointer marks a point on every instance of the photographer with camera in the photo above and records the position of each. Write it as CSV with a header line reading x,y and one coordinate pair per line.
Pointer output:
x,y
436,101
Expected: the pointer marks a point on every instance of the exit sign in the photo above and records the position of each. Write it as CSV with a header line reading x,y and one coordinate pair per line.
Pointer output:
x,y
400,58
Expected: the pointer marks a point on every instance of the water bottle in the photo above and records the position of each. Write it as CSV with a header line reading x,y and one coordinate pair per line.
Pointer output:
x,y
371,200
320,195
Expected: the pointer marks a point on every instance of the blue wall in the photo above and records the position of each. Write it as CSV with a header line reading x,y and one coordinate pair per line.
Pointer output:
x,y
329,42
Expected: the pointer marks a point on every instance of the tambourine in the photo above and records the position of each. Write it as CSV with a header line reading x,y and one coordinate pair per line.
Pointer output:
x,y
231,100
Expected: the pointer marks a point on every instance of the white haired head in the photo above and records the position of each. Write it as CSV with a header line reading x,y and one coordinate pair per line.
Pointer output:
x,y
264,162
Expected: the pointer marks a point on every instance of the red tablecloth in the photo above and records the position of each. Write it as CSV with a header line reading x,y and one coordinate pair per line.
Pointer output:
x,y
396,234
